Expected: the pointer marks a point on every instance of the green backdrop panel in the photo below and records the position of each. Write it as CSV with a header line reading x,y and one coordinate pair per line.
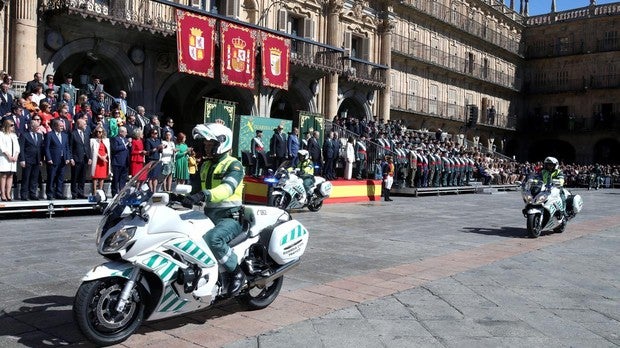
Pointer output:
x,y
247,126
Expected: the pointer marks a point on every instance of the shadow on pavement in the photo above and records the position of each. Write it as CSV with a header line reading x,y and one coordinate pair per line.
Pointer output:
x,y
504,231
47,321
41,322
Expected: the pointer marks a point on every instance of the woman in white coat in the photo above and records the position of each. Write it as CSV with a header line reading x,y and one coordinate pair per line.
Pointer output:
x,y
350,159
9,149
100,168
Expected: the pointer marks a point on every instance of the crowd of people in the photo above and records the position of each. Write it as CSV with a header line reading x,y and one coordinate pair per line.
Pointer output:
x,y
64,127
361,149
93,138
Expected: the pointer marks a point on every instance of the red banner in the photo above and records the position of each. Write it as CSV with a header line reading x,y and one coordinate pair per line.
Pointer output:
x,y
238,55
275,60
195,44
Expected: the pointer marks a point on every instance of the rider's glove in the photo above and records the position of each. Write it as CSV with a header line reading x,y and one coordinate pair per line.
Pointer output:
x,y
197,198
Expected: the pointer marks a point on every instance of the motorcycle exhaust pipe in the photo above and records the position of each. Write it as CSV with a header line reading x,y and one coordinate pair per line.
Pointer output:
x,y
263,281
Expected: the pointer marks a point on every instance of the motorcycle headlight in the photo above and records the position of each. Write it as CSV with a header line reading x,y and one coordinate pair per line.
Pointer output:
x,y
541,198
527,197
118,239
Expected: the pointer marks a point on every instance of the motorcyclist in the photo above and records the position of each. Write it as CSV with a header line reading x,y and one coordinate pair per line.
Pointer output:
x,y
551,171
221,178
305,169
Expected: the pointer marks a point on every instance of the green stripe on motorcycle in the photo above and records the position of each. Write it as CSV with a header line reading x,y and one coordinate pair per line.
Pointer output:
x,y
186,246
165,273
152,260
165,309
194,251
167,296
180,306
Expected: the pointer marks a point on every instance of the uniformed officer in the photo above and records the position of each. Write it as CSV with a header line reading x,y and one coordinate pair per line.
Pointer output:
x,y
221,176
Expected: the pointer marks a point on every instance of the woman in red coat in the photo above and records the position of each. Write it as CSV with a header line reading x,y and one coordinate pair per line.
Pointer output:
x,y
137,153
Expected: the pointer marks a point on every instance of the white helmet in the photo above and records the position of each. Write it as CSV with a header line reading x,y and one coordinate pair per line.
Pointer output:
x,y
551,163
215,131
303,154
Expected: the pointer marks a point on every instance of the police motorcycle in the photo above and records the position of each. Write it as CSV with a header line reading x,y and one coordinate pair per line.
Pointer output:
x,y
543,205
159,266
288,191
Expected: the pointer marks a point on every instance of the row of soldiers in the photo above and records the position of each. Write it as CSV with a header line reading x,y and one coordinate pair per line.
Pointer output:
x,y
431,167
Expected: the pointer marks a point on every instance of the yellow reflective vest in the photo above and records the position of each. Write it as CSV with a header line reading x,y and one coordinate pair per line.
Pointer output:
x,y
225,182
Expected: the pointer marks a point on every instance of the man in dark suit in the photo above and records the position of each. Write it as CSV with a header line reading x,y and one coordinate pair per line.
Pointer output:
x,y
20,120
6,100
80,158
30,159
120,148
330,153
57,155
277,147
314,149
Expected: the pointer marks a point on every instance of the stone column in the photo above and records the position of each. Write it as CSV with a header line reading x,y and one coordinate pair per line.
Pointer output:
x,y
385,100
23,57
333,38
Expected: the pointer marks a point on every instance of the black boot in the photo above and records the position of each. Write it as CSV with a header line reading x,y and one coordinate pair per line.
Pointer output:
x,y
237,279
387,196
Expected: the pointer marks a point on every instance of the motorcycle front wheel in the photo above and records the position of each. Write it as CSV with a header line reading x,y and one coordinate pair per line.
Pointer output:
x,y
534,225
261,297
94,309
279,201
315,206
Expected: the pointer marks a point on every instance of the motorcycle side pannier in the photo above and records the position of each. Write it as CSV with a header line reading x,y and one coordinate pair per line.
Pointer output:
x,y
574,203
325,189
288,242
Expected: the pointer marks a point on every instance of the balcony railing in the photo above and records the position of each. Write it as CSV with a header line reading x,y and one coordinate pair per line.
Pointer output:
x,y
365,72
571,48
567,85
431,55
573,85
159,17
141,14
575,14
605,81
463,22
309,54
451,111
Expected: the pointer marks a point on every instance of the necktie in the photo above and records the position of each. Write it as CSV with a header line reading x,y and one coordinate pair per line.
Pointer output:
x,y
16,122
81,135
59,137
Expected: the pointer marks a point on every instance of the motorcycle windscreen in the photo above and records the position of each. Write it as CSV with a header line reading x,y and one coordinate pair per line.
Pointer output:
x,y
288,242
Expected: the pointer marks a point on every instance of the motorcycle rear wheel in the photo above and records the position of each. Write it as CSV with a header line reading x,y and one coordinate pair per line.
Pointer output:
x,y
259,298
534,225
94,310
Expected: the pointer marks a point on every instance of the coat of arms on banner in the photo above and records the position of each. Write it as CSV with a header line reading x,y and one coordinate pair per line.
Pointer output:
x,y
276,52
237,56
275,61
196,44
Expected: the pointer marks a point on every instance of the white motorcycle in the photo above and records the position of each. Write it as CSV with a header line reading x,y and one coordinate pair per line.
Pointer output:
x,y
159,265
288,191
544,209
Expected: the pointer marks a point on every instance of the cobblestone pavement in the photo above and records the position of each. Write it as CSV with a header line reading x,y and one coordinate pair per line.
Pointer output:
x,y
452,270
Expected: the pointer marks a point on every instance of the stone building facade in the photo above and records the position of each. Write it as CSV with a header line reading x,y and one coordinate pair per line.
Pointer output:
x,y
474,67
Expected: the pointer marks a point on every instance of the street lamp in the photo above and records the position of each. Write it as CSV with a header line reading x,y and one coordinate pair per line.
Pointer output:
x,y
265,12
